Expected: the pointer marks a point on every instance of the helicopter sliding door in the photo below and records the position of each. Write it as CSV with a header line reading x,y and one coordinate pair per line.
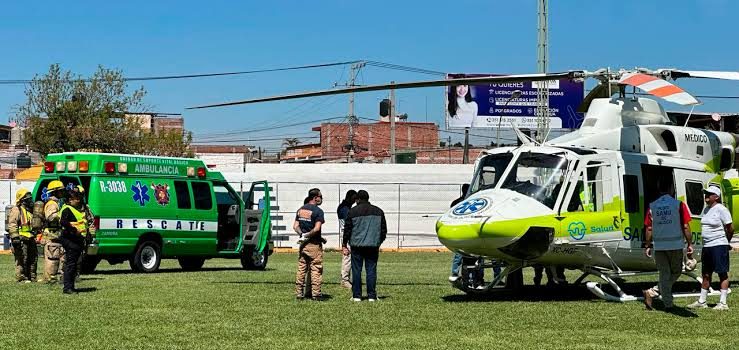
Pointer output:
x,y
591,210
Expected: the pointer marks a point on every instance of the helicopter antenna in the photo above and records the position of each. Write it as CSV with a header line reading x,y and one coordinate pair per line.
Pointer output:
x,y
689,114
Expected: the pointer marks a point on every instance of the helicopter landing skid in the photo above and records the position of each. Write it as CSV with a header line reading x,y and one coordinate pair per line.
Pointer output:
x,y
594,287
466,285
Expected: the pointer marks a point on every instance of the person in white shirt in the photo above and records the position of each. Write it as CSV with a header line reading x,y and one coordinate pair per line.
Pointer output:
x,y
717,231
461,108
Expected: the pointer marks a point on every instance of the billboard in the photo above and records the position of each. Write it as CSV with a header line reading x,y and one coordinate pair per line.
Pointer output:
x,y
483,106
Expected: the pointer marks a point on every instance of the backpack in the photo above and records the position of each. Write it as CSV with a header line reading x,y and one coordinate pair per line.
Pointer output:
x,y
38,218
8,208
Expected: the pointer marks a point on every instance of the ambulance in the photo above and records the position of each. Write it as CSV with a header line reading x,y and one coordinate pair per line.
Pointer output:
x,y
151,208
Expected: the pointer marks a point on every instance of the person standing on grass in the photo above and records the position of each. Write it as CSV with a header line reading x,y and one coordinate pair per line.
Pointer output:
x,y
74,232
667,222
342,212
717,230
308,222
364,230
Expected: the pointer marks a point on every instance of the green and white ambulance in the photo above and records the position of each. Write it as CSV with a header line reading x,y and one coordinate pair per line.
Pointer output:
x,y
149,208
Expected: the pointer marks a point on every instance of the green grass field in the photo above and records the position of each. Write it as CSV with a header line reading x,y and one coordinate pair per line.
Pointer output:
x,y
224,307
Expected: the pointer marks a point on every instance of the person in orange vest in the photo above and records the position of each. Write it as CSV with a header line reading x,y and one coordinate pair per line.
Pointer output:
x,y
22,237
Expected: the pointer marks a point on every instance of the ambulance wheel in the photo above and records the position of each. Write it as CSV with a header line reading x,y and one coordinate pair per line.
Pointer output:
x,y
89,263
252,260
147,258
191,264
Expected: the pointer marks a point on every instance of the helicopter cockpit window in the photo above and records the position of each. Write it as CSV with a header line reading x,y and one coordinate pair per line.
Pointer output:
x,y
489,171
539,176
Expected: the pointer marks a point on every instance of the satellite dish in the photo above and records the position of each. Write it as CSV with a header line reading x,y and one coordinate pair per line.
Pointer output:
x,y
716,117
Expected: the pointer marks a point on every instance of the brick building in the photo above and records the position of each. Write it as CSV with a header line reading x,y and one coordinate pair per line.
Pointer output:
x,y
308,153
224,158
158,122
372,140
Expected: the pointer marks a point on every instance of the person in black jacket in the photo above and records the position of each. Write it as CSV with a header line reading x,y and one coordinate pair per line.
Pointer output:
x,y
74,229
364,230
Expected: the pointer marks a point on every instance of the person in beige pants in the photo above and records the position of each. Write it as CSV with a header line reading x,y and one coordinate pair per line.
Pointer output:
x,y
346,260
53,250
308,222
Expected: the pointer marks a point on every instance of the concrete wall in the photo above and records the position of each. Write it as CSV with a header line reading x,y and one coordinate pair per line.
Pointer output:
x,y
224,162
413,196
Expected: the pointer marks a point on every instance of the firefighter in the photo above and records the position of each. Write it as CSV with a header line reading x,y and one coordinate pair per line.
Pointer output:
x,y
74,232
89,235
22,237
53,250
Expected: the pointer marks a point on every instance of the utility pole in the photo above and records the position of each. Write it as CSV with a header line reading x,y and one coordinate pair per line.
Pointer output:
x,y
392,124
465,154
542,98
351,119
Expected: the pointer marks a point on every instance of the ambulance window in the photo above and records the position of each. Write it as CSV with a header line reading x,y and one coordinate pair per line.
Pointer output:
x,y
694,197
203,196
183,195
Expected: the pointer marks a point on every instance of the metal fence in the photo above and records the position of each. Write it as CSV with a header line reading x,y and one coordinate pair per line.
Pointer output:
x,y
411,209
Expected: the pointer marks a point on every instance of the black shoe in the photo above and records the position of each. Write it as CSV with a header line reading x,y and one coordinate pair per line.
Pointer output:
x,y
69,291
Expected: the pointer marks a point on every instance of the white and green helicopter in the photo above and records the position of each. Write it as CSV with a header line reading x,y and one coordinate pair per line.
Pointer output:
x,y
578,201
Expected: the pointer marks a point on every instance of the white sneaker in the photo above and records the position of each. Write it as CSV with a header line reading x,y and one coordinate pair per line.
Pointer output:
x,y
453,278
356,299
372,299
698,305
721,306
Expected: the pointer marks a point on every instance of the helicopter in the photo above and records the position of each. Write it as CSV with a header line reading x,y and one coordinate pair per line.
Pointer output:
x,y
578,201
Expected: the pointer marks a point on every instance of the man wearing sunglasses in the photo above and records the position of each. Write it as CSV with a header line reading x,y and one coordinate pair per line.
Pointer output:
x,y
308,222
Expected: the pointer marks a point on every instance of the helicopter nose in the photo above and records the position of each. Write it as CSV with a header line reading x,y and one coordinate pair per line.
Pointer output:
x,y
511,225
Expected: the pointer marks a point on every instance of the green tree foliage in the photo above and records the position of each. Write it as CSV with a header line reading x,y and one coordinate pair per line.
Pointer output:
x,y
64,112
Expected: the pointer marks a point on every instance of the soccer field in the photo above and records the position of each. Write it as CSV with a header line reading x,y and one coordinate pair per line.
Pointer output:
x,y
225,307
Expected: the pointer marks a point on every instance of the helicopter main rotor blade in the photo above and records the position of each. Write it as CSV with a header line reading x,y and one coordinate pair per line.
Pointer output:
x,y
409,85
676,73
659,87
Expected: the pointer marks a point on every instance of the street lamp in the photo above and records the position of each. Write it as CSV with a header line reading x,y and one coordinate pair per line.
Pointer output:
x,y
514,94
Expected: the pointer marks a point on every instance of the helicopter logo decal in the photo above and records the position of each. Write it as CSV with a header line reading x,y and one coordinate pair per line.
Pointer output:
x,y
471,206
576,230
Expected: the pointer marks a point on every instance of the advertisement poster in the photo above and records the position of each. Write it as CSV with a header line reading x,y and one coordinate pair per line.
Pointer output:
x,y
483,106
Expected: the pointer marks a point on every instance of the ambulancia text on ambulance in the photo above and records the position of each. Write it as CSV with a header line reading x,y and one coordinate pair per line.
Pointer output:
x,y
148,208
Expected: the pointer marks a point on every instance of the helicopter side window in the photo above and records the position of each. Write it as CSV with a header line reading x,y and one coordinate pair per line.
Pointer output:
x,y
593,189
539,176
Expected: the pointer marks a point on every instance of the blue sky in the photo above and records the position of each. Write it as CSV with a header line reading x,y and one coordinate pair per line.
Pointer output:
x,y
181,37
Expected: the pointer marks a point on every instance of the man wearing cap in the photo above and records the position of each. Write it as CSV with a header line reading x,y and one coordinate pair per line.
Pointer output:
x,y
53,250
22,237
667,222
717,231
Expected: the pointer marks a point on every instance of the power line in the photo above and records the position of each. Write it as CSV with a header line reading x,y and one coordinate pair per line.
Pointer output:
x,y
256,140
204,75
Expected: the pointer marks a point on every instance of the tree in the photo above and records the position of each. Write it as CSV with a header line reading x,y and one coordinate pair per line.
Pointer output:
x,y
291,142
169,143
64,112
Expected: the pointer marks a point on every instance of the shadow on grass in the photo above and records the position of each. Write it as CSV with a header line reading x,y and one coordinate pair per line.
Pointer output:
x,y
174,270
568,292
86,290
